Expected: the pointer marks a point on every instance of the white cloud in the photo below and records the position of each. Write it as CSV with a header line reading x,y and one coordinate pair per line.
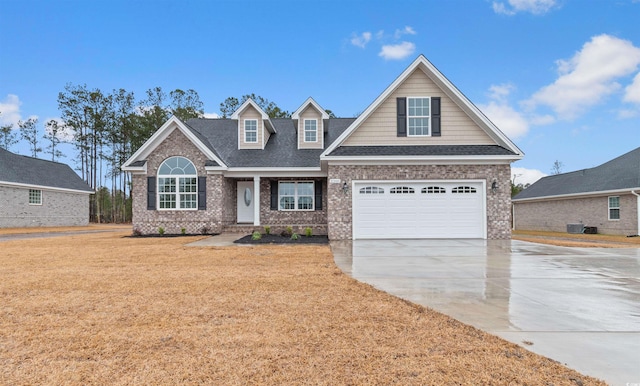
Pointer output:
x,y
405,31
211,115
10,110
361,40
536,7
397,51
498,110
65,133
525,176
590,76
632,92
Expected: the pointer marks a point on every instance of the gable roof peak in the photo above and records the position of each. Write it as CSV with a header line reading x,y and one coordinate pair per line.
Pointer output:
x,y
245,105
312,102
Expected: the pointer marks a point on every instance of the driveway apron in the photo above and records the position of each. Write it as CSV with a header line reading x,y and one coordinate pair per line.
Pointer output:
x,y
579,306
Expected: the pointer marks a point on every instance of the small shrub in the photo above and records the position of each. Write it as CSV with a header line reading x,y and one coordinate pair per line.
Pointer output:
x,y
136,232
161,231
204,230
183,231
267,230
256,235
308,231
287,232
295,236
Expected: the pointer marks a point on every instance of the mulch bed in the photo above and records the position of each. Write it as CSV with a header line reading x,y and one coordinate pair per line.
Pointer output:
x,y
278,239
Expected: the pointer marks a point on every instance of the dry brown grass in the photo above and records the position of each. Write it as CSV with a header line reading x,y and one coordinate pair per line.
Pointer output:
x,y
577,240
90,227
102,309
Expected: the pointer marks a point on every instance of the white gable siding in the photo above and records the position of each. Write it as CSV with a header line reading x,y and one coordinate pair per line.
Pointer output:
x,y
380,127
310,113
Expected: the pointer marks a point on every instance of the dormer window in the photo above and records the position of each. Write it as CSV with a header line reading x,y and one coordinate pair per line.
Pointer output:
x,y
418,115
310,130
251,130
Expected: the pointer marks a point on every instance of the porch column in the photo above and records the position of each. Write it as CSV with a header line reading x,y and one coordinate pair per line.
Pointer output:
x,y
256,200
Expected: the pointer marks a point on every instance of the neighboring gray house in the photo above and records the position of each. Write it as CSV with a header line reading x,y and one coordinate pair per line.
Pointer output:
x,y
420,162
606,197
39,193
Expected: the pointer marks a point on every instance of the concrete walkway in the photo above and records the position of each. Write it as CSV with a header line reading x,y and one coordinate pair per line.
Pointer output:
x,y
579,306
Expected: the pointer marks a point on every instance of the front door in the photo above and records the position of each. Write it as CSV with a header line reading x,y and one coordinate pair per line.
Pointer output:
x,y
245,202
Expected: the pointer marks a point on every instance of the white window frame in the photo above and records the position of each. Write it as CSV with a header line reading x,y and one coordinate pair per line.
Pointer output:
x,y
415,116
35,197
253,131
613,208
177,179
296,196
309,131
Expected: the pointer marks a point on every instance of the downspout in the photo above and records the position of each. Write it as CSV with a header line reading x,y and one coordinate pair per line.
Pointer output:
x,y
638,208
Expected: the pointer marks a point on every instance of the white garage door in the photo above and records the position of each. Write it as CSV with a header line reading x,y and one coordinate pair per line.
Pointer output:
x,y
418,210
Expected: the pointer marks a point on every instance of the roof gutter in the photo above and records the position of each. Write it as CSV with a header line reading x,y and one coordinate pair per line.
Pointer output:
x,y
638,208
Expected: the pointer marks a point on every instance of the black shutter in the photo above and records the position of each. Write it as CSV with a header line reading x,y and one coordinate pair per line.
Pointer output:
x,y
151,193
435,116
274,195
202,193
401,111
318,198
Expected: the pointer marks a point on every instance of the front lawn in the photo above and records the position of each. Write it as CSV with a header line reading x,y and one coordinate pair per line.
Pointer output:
x,y
105,309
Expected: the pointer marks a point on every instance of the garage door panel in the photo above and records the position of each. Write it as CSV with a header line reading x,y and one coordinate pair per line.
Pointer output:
x,y
419,210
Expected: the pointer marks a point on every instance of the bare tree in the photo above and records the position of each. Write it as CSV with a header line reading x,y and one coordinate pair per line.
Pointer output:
x,y
557,167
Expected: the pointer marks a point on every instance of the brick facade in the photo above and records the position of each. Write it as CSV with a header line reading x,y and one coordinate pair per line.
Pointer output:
x,y
194,221
498,204
554,215
57,209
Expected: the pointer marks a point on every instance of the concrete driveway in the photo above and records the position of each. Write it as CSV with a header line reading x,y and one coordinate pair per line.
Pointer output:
x,y
579,306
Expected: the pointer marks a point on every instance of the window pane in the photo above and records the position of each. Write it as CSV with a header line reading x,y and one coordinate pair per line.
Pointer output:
x,y
305,203
418,126
35,196
310,130
188,201
287,203
188,185
287,188
166,185
614,202
614,214
251,130
167,201
305,188
418,107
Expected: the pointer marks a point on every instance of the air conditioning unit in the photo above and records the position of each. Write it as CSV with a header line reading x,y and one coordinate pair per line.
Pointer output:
x,y
575,228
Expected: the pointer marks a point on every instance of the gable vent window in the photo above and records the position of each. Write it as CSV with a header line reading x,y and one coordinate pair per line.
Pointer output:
x,y
433,190
177,184
614,208
251,130
463,189
310,130
418,115
371,190
402,190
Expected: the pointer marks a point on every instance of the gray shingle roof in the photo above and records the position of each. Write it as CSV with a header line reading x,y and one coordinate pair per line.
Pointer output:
x,y
15,168
436,150
221,136
618,174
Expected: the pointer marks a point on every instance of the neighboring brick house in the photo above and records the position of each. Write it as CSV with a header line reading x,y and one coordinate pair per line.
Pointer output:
x,y
420,162
39,193
606,197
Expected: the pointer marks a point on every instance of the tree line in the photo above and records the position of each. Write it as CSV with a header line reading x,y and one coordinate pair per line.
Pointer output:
x,y
106,128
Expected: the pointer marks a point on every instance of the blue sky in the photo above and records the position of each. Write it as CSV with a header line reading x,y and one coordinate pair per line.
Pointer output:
x,y
559,77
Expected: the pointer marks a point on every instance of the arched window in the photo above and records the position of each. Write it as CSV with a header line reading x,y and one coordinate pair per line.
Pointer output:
x,y
177,184
434,190
371,190
463,189
402,190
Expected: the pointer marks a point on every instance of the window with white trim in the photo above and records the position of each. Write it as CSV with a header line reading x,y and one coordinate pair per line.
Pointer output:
x,y
296,195
434,190
371,190
402,190
35,197
310,130
418,116
250,130
463,189
614,208
177,184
